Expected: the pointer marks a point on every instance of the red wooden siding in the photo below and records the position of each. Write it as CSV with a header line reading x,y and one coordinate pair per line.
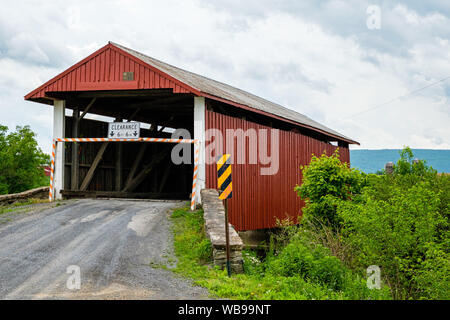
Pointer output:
x,y
103,70
259,200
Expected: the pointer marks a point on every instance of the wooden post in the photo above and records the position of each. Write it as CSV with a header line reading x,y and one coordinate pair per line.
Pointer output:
x,y
199,134
59,124
154,176
119,149
225,186
119,157
154,149
227,238
75,170
75,159
136,164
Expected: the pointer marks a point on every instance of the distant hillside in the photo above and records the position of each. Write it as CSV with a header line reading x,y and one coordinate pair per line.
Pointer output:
x,y
370,161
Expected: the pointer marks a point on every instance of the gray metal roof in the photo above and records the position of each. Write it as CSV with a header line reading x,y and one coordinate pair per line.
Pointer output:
x,y
227,92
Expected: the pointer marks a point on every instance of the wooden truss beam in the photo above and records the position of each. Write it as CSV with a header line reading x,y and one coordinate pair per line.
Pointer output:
x,y
134,183
86,110
87,180
136,164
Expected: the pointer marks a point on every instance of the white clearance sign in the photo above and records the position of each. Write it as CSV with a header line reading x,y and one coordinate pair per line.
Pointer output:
x,y
124,130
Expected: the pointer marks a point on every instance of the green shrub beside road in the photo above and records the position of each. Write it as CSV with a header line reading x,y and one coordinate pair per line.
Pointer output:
x,y
21,161
399,222
289,274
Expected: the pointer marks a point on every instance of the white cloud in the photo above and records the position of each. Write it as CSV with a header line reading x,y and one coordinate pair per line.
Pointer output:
x,y
315,57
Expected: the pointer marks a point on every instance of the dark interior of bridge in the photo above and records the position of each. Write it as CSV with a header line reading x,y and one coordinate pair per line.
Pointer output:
x,y
126,169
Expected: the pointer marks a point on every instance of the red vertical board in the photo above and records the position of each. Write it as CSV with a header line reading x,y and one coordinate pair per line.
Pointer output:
x,y
103,67
258,200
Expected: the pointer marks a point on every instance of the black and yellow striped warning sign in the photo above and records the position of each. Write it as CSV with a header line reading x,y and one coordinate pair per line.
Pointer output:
x,y
224,177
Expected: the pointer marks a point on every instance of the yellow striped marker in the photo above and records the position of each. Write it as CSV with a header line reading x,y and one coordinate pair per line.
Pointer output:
x,y
224,177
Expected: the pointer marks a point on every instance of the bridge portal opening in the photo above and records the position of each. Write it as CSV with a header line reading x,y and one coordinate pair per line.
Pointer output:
x,y
138,170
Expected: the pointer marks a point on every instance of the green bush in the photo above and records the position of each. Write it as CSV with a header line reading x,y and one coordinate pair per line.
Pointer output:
x,y
312,264
258,282
407,167
399,222
315,264
326,181
252,263
395,234
21,161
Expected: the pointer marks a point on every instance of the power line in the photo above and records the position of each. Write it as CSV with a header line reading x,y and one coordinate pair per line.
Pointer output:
x,y
397,98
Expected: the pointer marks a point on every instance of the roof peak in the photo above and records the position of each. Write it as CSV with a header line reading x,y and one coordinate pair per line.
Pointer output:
x,y
227,92
170,77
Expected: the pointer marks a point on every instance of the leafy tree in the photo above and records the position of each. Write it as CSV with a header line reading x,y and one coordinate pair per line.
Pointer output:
x,y
326,181
21,161
3,160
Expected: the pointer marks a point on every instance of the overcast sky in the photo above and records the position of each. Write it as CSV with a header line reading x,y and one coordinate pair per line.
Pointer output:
x,y
319,58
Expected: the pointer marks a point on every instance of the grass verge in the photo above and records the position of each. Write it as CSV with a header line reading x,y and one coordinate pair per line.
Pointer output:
x,y
194,255
20,205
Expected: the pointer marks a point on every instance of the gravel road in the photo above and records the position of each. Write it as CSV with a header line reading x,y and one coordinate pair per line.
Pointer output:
x,y
114,243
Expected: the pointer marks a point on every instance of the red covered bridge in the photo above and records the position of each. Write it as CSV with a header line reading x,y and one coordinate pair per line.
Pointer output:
x,y
126,85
